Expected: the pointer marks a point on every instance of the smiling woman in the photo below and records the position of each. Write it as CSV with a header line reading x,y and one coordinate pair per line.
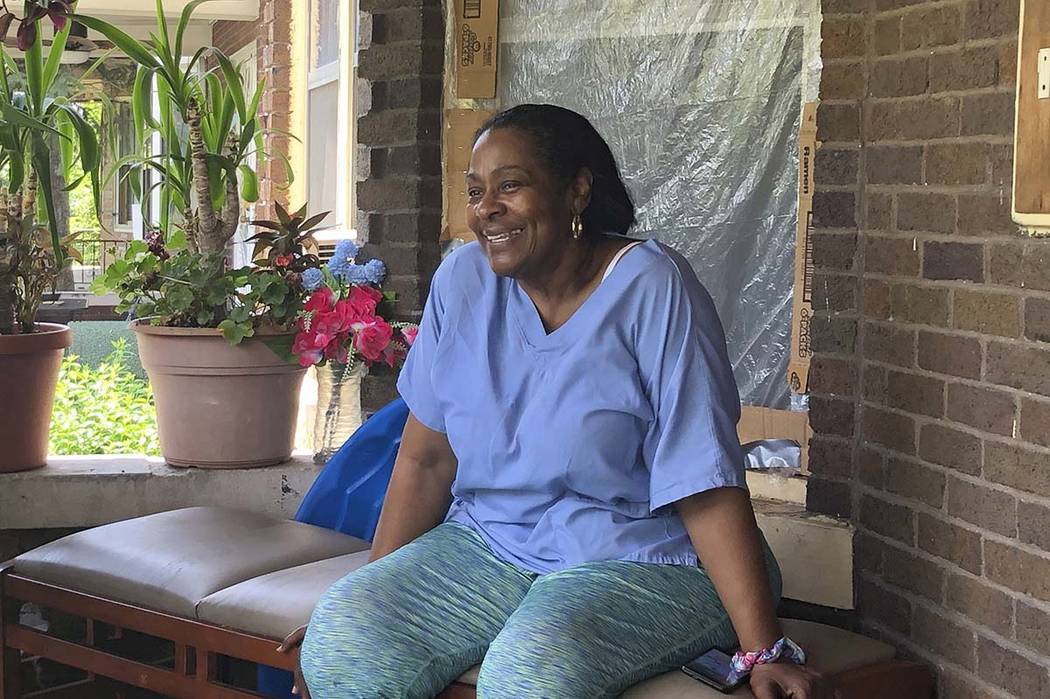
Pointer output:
x,y
571,445
547,205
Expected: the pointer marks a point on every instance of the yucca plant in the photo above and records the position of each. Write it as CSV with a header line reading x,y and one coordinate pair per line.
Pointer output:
x,y
34,117
209,129
203,171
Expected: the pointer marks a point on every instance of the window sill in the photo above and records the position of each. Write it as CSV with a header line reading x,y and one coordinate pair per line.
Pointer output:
x,y
85,491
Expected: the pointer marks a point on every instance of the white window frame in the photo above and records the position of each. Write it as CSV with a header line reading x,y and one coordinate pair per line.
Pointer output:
x,y
340,223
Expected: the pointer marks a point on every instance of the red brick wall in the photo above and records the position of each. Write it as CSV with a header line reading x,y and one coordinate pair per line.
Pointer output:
x,y
272,36
932,383
230,37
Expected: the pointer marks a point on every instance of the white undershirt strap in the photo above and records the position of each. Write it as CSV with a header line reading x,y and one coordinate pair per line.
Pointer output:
x,y
616,258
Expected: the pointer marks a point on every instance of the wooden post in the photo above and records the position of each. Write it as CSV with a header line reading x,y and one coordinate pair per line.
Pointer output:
x,y
10,658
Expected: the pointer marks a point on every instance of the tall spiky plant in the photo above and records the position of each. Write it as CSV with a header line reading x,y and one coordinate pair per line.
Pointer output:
x,y
203,175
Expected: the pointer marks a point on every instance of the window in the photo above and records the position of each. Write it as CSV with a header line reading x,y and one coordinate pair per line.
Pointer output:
x,y
128,214
329,125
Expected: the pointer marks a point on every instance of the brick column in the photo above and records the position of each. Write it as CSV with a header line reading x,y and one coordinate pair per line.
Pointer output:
x,y
399,137
940,411
272,34
838,215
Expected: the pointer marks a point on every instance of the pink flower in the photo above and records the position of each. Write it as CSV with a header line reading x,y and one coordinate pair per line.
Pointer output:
x,y
409,334
309,358
282,260
339,349
372,339
394,354
304,347
320,300
331,323
361,303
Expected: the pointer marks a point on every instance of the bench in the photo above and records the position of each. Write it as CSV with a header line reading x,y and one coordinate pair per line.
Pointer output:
x,y
218,583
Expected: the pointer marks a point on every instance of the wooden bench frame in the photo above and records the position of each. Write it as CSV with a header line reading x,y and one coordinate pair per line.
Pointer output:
x,y
198,645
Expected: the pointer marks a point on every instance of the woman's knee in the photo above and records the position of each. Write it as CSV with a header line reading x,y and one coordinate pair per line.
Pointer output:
x,y
340,657
536,666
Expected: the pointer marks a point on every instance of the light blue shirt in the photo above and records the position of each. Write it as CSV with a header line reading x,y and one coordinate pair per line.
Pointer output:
x,y
572,444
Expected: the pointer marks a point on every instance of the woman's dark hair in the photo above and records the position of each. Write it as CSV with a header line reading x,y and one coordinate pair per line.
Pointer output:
x,y
566,142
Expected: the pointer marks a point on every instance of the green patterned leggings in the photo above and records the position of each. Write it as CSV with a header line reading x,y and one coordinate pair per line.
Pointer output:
x,y
409,624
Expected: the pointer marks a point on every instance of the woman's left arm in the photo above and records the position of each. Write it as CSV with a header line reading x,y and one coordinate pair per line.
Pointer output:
x,y
721,524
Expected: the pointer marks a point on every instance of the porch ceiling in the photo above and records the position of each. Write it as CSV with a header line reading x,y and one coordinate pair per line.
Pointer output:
x,y
122,10
137,18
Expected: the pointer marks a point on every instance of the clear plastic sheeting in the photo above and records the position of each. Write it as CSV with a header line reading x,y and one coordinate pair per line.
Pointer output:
x,y
701,102
784,456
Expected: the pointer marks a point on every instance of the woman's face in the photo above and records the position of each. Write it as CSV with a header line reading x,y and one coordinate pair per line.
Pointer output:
x,y
520,213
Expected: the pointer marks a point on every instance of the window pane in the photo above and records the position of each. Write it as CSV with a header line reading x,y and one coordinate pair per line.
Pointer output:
x,y
323,149
324,32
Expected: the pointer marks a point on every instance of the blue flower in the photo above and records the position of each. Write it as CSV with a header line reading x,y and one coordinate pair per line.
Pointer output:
x,y
355,274
346,250
312,278
376,271
343,258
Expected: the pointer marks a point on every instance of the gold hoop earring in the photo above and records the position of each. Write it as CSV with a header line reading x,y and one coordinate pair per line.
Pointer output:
x,y
577,227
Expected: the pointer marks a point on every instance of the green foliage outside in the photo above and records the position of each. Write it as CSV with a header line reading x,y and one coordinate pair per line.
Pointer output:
x,y
103,410
82,214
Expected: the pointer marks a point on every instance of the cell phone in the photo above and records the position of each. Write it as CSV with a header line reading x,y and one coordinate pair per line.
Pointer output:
x,y
713,669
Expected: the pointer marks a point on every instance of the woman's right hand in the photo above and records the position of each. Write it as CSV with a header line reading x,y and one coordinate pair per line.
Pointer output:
x,y
291,643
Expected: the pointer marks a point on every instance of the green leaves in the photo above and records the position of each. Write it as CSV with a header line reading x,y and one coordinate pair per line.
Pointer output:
x,y
34,62
132,48
90,151
26,121
103,409
192,290
42,165
286,238
249,184
235,332
178,296
31,117
234,84
54,57
141,104
184,21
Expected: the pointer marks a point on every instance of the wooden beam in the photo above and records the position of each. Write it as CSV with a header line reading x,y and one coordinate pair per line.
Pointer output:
x,y
167,626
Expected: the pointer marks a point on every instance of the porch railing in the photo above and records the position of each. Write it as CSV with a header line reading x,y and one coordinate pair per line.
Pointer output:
x,y
97,253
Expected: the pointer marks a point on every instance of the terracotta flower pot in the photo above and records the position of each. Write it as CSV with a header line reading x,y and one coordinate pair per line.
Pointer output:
x,y
29,367
219,405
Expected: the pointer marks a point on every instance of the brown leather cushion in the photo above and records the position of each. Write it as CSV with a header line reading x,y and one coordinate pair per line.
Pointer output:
x,y
277,603
172,560
830,650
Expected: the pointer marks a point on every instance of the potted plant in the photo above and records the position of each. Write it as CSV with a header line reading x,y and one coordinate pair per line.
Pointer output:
x,y
344,329
205,330
33,251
